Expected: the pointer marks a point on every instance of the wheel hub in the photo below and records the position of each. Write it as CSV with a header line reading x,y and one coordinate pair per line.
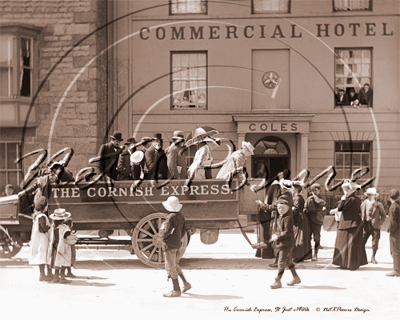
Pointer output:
x,y
158,241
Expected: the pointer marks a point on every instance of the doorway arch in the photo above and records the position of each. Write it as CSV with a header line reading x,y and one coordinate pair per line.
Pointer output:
x,y
273,153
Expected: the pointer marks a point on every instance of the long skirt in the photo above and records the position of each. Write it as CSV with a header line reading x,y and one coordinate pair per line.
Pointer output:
x,y
350,249
302,238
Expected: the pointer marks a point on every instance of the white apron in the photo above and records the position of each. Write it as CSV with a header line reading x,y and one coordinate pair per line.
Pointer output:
x,y
40,251
63,255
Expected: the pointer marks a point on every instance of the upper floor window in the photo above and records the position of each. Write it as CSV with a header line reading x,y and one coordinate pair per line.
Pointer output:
x,y
189,80
344,5
351,156
188,6
262,6
18,76
353,81
15,66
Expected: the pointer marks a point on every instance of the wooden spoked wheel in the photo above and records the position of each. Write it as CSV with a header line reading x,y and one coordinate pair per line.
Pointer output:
x,y
9,247
147,242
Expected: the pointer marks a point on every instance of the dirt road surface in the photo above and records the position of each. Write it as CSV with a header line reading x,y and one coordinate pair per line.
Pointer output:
x,y
228,281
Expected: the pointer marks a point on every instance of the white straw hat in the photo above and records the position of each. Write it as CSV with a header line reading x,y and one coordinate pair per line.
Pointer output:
x,y
172,204
60,214
247,146
137,156
371,191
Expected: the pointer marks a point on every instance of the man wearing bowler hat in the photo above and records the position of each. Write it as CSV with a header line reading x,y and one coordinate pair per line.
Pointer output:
x,y
156,159
373,215
176,163
109,154
124,168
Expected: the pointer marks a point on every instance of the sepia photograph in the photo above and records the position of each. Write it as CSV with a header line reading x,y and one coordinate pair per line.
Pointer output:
x,y
200,159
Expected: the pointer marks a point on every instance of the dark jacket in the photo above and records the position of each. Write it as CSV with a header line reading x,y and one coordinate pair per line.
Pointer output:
x,y
156,162
174,160
109,166
378,214
298,208
344,102
365,97
351,212
174,230
394,220
126,169
285,231
313,208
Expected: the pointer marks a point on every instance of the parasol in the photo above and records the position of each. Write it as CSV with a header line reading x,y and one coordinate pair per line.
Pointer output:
x,y
199,134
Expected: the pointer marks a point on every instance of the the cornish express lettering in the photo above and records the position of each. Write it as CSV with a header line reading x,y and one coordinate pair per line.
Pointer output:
x,y
262,31
102,192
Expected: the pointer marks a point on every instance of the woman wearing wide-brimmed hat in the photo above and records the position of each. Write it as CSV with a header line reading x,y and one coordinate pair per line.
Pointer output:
x,y
61,250
202,158
349,246
236,161
373,215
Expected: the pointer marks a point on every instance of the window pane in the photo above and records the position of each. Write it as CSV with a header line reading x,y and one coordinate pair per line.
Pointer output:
x,y
2,156
339,160
357,160
352,4
3,181
12,178
188,6
347,159
11,155
271,6
365,160
6,53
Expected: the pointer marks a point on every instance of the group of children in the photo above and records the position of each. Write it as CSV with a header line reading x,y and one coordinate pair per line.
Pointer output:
x,y
52,244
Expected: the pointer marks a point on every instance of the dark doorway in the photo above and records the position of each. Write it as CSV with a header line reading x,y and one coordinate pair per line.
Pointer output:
x,y
273,153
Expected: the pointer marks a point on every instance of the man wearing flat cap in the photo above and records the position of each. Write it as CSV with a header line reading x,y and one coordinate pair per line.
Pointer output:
x,y
176,163
109,154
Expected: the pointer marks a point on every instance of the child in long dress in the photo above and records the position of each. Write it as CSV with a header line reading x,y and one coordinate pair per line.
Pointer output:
x,y
39,253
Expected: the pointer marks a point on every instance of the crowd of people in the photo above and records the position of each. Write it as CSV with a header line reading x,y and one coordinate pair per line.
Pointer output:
x,y
290,223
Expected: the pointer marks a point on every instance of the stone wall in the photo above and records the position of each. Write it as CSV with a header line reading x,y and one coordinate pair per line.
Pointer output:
x,y
72,97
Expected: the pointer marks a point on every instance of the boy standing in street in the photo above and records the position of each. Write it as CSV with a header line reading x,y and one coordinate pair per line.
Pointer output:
x,y
394,231
284,238
172,232
315,210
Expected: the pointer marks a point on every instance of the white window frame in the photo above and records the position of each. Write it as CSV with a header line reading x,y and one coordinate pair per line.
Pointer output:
x,y
184,6
268,6
190,97
352,5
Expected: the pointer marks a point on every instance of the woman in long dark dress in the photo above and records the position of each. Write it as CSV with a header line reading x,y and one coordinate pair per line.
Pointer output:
x,y
302,233
349,247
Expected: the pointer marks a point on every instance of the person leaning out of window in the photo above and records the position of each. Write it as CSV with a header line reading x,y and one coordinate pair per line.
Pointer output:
x,y
365,95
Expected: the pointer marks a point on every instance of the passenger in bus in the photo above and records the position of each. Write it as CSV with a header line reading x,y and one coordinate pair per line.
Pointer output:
x,y
176,163
156,159
8,191
235,163
284,242
202,158
124,168
39,253
110,153
172,232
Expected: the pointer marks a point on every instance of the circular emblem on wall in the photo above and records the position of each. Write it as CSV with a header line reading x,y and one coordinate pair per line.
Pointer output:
x,y
270,79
